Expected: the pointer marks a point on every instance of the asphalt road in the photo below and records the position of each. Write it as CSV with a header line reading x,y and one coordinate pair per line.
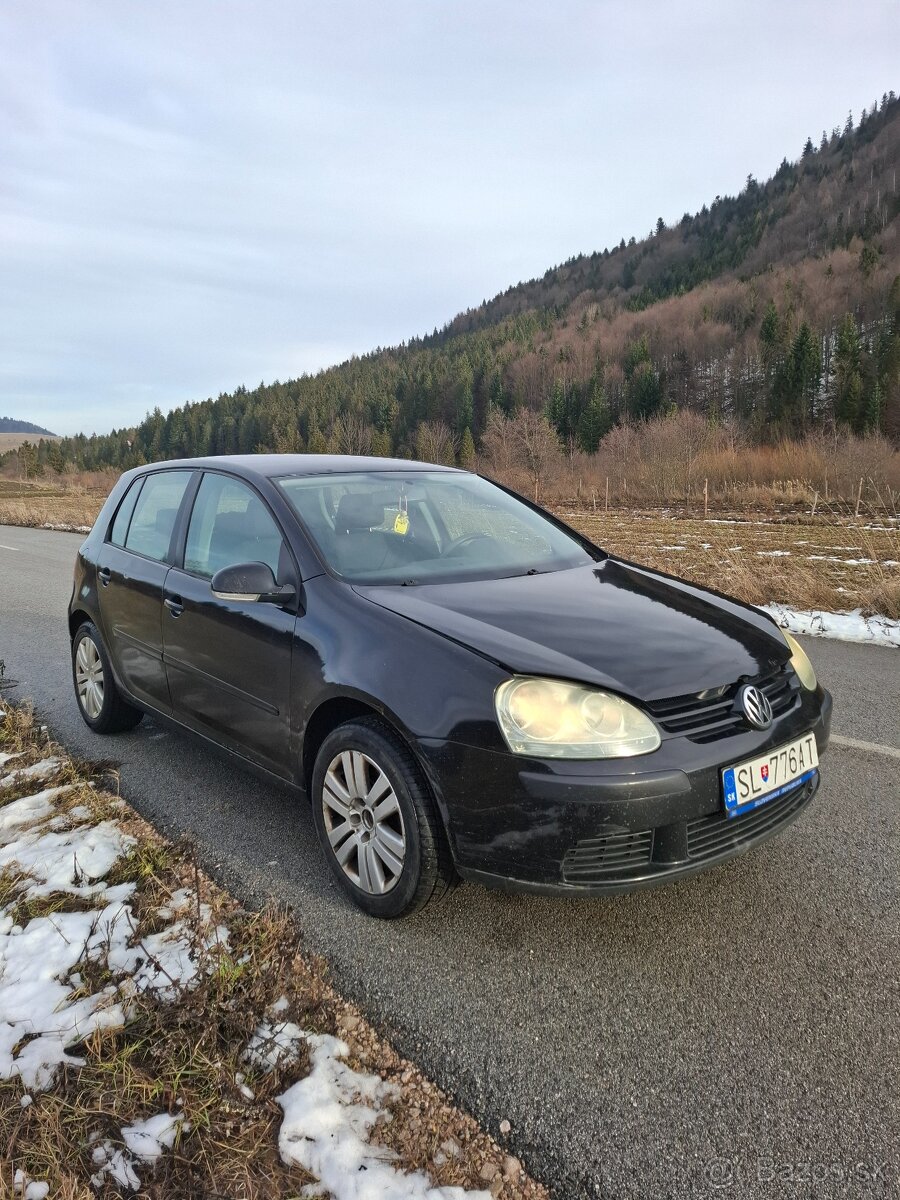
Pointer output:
x,y
736,1034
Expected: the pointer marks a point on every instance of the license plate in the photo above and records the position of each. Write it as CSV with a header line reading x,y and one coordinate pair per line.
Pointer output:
x,y
758,780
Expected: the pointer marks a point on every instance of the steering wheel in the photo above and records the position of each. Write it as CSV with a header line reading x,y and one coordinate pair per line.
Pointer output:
x,y
458,543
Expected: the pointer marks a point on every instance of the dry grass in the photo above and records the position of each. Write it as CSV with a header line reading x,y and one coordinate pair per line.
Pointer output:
x,y
50,502
832,560
186,1055
829,562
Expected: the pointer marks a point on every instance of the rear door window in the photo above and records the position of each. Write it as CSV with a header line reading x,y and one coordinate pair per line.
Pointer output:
x,y
119,529
155,513
231,525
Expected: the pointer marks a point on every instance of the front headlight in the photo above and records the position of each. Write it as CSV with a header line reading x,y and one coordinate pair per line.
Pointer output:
x,y
800,662
548,718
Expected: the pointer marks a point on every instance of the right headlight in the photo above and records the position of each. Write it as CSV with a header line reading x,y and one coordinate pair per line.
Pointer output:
x,y
549,718
800,662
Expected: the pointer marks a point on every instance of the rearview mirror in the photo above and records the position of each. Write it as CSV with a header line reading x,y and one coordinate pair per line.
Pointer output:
x,y
250,581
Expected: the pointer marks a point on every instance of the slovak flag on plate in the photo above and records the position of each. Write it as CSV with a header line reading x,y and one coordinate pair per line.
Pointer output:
x,y
764,771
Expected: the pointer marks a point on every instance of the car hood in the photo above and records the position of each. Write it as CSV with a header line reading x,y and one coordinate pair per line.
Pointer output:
x,y
613,624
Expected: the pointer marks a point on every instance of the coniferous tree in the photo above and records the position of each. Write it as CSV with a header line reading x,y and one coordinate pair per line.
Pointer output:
x,y
467,450
595,420
847,382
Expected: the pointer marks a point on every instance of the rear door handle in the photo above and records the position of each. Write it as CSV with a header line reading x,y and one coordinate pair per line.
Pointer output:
x,y
104,575
174,605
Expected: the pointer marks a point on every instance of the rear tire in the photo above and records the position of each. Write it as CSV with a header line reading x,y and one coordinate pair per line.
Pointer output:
x,y
102,706
377,821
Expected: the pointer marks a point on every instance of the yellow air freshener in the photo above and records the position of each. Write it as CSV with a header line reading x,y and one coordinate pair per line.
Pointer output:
x,y
401,523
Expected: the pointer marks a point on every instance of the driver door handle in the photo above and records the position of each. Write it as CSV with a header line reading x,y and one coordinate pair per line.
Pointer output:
x,y
104,575
174,604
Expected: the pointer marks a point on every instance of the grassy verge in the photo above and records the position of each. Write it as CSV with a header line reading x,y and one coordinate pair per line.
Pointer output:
x,y
167,1040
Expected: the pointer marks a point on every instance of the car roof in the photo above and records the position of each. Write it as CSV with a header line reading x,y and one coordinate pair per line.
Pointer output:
x,y
269,465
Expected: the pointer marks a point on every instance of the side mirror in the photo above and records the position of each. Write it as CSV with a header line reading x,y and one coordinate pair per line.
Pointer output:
x,y
250,581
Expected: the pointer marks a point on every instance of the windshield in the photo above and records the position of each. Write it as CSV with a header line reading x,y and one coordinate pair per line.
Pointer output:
x,y
409,527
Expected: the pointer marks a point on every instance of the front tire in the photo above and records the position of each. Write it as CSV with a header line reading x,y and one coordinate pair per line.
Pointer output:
x,y
376,820
101,704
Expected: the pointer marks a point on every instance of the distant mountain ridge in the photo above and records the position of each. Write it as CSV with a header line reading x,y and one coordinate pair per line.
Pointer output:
x,y
12,425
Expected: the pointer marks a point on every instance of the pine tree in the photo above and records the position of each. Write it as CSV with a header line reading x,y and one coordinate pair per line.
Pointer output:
x,y
56,458
874,408
805,373
847,385
381,444
467,450
595,420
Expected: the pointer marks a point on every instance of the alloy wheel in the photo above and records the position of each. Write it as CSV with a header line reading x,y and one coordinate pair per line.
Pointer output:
x,y
89,678
363,822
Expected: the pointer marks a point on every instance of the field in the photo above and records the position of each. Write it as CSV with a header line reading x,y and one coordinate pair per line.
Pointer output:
x,y
832,560
12,441
47,502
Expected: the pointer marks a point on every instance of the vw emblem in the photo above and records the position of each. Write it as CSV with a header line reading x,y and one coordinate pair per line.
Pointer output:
x,y
756,707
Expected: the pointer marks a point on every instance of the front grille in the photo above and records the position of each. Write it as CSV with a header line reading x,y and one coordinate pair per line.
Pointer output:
x,y
711,836
600,858
706,717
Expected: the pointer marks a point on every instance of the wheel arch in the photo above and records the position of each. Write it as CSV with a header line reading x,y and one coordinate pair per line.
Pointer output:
x,y
328,716
334,711
77,618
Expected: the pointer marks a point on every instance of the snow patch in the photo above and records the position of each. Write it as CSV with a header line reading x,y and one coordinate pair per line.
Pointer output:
x,y
844,626
64,528
28,1189
147,1139
44,1009
39,770
145,1142
328,1117
850,562
273,1044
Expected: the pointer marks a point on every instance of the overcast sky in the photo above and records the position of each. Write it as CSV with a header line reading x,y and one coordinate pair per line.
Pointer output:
x,y
196,194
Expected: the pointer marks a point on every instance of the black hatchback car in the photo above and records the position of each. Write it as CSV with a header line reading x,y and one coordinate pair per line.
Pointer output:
x,y
462,685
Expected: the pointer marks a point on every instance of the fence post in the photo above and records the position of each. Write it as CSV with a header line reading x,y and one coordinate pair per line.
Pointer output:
x,y
705,498
607,493
859,494
815,502
594,498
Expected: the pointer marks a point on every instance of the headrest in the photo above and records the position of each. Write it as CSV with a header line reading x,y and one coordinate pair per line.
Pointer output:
x,y
165,519
253,522
358,511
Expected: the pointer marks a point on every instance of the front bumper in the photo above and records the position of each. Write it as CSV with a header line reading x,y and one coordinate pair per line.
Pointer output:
x,y
605,827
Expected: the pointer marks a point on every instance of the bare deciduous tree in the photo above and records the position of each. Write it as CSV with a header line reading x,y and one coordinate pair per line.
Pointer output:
x,y
436,443
527,441
351,434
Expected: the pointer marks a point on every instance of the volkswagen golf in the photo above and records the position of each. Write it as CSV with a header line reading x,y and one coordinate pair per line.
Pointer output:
x,y
459,683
